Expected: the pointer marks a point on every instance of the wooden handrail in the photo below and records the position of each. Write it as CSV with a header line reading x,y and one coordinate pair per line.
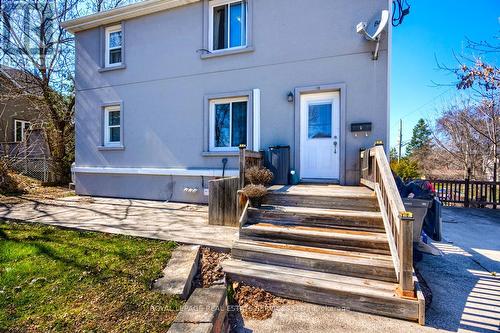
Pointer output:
x,y
376,174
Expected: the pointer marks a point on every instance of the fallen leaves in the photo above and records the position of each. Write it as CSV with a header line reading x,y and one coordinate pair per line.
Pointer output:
x,y
210,268
256,303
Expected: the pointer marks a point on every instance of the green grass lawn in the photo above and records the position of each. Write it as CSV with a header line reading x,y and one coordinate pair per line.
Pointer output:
x,y
54,279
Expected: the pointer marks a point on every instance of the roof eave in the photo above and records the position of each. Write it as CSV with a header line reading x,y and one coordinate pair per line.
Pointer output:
x,y
122,13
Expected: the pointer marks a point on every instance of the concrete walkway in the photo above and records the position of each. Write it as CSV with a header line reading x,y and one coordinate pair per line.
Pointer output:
x,y
466,295
183,223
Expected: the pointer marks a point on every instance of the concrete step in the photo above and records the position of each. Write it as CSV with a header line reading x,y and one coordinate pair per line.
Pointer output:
x,y
373,266
341,239
317,217
358,294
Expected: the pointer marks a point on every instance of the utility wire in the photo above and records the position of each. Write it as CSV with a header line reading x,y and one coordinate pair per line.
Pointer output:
x,y
400,9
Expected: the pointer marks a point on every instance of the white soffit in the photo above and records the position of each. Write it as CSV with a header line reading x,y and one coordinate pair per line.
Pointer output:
x,y
122,13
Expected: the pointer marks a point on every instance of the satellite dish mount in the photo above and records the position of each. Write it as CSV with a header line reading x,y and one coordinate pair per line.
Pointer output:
x,y
372,31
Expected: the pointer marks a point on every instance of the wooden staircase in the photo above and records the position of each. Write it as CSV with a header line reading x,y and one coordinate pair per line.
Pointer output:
x,y
323,244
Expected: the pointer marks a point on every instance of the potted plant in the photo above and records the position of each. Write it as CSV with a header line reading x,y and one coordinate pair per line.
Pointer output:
x,y
259,176
255,194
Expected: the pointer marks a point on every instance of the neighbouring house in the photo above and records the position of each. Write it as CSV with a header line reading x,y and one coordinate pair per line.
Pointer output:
x,y
167,90
22,137
21,130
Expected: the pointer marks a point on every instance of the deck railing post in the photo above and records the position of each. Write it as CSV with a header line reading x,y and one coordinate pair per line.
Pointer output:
x,y
242,165
467,186
406,287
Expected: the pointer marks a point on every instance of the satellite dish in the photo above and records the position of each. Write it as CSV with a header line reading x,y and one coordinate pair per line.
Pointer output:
x,y
372,31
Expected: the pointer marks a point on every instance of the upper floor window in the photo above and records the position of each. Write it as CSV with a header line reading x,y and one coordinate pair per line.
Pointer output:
x,y
228,24
113,56
20,129
112,126
228,123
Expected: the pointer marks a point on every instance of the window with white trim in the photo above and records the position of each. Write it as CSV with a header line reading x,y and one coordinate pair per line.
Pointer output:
x,y
228,24
228,123
114,42
112,126
20,129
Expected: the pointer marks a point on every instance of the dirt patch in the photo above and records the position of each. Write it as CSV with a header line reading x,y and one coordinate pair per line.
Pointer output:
x,y
246,302
86,200
30,189
256,303
210,268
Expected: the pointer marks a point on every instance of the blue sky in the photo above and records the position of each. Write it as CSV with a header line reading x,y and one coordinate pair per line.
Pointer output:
x,y
434,29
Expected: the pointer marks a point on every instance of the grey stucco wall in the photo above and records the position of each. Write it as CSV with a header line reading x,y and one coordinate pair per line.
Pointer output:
x,y
298,43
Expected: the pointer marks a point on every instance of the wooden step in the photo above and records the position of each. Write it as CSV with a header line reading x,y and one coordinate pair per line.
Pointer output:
x,y
364,295
318,217
373,266
362,202
342,239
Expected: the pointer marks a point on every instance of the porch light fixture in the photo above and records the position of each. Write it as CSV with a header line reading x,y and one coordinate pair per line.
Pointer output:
x,y
290,97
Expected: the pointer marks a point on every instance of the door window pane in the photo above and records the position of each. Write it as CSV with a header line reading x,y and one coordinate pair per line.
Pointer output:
x,y
320,121
220,28
222,121
238,25
239,124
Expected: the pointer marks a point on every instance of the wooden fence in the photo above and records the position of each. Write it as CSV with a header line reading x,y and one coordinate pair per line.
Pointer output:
x,y
469,193
225,202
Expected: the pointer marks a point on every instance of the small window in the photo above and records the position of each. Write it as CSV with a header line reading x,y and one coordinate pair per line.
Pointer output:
x,y
228,123
228,25
20,130
112,126
113,56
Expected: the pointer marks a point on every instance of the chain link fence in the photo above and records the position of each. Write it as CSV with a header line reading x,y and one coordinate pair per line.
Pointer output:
x,y
38,168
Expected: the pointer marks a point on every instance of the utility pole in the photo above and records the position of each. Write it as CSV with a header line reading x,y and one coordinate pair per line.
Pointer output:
x,y
400,143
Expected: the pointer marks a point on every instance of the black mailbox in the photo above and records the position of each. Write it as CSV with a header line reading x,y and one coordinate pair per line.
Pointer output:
x,y
361,127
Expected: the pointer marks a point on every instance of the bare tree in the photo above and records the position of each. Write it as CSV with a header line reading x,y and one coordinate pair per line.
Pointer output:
x,y
459,143
35,43
96,6
482,80
32,40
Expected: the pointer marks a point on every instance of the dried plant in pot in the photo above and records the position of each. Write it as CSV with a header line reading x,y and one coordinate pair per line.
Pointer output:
x,y
255,194
259,176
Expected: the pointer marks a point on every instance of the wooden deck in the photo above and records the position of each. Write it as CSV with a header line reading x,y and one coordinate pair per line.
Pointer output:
x,y
324,244
323,190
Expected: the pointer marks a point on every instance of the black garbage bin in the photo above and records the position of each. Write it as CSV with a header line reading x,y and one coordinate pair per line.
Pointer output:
x,y
278,161
433,221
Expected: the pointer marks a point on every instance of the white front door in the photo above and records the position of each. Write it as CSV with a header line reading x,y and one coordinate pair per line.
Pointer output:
x,y
320,136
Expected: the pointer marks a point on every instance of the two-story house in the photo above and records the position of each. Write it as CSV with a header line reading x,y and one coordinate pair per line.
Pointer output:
x,y
167,89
